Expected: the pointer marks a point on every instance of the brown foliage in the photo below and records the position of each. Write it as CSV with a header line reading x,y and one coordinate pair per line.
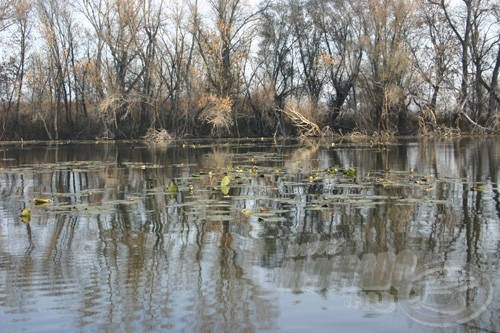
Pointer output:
x,y
217,112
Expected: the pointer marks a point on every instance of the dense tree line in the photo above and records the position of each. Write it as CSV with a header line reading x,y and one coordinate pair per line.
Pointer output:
x,y
116,68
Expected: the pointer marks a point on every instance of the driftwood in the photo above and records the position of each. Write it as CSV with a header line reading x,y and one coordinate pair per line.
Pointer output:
x,y
305,126
157,136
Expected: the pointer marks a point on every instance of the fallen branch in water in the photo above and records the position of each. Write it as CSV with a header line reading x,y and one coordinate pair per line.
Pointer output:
x,y
305,126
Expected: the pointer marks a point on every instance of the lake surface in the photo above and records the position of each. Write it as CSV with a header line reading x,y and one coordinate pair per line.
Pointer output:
x,y
193,236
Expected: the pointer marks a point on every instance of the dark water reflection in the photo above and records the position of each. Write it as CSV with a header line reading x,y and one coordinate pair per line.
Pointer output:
x,y
115,251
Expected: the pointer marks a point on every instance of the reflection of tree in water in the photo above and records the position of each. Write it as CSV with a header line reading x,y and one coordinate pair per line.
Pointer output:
x,y
141,258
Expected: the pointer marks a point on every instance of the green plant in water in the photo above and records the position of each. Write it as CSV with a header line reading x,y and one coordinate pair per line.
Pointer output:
x,y
25,215
40,201
172,189
225,181
331,171
224,185
351,172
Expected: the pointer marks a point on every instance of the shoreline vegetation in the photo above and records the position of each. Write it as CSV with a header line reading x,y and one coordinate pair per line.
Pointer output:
x,y
297,128
163,139
160,70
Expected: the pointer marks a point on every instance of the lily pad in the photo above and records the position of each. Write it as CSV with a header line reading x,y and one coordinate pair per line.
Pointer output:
x,y
42,201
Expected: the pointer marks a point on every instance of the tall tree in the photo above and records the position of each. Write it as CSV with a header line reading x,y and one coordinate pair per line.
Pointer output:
x,y
308,44
6,9
434,51
386,29
23,24
338,22
494,99
57,27
118,24
276,60
15,19
224,46
148,49
475,25
176,70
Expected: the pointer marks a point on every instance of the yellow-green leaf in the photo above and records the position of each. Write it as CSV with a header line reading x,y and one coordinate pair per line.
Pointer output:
x,y
40,201
479,188
172,189
225,189
332,170
351,172
25,215
246,212
225,181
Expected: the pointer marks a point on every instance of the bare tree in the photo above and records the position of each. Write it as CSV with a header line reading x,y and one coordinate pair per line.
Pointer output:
x,y
277,62
464,39
57,31
6,12
434,54
12,71
21,14
386,29
148,49
223,46
341,54
176,69
127,33
494,99
308,45
475,25
94,12
485,41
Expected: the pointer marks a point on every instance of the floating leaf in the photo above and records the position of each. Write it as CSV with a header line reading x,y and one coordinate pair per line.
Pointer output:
x,y
40,201
26,215
479,188
351,172
172,189
246,212
225,181
331,171
272,219
428,189
225,189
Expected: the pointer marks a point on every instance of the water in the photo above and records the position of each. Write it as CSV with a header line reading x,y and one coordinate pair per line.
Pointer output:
x,y
118,249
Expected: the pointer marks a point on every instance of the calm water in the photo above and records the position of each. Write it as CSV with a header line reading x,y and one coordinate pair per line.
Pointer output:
x,y
118,249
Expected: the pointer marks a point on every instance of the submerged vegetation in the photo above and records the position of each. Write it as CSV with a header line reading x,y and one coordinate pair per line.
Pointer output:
x,y
158,69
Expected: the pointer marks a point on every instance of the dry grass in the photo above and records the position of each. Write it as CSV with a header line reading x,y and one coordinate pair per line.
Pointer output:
x,y
217,112
116,104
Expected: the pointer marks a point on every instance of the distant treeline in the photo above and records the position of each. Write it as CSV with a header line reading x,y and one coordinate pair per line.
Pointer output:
x,y
116,68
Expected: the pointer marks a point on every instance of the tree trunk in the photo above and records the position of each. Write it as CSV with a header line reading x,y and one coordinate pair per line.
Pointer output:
x,y
493,99
465,54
